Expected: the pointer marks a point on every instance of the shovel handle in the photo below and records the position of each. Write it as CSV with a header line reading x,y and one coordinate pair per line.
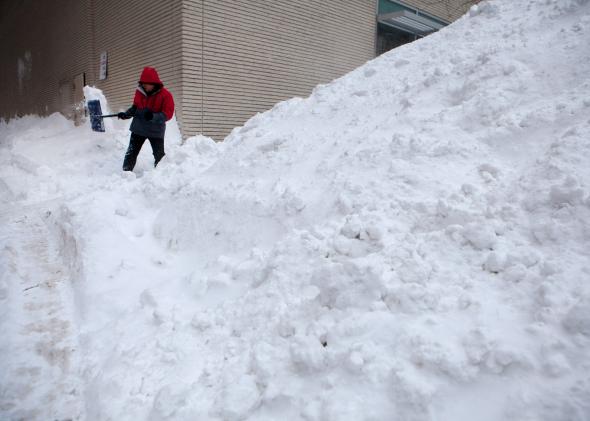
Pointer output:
x,y
103,116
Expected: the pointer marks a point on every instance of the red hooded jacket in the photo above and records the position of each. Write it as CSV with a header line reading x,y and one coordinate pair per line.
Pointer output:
x,y
159,102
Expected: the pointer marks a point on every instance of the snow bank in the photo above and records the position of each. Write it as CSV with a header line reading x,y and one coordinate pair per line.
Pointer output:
x,y
410,242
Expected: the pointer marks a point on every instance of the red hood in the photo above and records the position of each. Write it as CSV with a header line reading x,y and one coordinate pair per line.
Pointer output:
x,y
149,75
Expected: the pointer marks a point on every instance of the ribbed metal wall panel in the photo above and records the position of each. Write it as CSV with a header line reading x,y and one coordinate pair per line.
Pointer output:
x,y
192,66
256,53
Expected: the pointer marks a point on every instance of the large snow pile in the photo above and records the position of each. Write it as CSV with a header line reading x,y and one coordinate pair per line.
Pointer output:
x,y
411,242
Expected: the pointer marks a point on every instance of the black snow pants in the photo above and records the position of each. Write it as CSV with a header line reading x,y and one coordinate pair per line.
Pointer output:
x,y
135,144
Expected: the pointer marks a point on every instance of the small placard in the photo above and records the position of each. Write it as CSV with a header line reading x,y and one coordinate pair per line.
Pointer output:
x,y
103,66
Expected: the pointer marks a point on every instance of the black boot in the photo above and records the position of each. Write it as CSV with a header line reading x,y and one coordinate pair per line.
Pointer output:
x,y
135,144
157,149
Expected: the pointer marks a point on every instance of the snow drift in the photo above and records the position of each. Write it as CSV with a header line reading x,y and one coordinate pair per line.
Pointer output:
x,y
410,242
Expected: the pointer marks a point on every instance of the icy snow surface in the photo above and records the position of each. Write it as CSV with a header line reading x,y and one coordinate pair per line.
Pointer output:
x,y
411,242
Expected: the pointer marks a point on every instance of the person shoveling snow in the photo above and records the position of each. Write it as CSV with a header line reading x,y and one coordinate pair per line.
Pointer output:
x,y
153,105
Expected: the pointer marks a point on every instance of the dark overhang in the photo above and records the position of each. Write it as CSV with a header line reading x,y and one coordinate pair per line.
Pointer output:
x,y
410,22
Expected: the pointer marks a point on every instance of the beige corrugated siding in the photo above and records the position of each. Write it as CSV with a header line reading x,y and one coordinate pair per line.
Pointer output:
x,y
192,66
256,53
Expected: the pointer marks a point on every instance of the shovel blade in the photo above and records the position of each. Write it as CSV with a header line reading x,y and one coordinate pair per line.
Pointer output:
x,y
95,112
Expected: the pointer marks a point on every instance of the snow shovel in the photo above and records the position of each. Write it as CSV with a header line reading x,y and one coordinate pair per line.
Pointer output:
x,y
96,116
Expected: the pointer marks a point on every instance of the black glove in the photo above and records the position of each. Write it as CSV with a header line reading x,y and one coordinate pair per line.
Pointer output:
x,y
127,114
148,115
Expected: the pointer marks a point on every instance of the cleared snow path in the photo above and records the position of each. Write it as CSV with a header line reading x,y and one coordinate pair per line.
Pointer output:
x,y
40,364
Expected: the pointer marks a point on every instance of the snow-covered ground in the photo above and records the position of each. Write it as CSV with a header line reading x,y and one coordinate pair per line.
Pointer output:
x,y
411,242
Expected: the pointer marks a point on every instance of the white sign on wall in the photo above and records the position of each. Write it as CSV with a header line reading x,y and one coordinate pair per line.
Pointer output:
x,y
103,66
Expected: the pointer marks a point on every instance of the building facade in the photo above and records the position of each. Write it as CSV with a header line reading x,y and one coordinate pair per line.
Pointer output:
x,y
223,60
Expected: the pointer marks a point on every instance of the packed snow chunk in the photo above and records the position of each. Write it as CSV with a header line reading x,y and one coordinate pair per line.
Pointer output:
x,y
92,93
352,228
204,146
516,273
546,231
307,354
495,262
577,319
567,193
239,398
353,284
170,402
556,365
480,236
489,172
